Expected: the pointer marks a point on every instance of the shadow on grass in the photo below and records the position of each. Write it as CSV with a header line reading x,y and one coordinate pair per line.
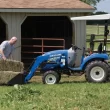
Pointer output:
x,y
69,82
72,82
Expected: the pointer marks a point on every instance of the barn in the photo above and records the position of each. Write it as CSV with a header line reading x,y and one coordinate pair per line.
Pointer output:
x,y
42,25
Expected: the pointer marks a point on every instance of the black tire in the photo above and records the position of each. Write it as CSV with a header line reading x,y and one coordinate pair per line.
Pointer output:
x,y
96,71
50,77
86,77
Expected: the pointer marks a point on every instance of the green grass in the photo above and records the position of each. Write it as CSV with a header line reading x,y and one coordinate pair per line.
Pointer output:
x,y
95,29
71,94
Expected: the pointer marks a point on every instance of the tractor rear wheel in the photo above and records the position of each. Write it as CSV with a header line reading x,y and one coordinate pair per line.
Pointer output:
x,y
50,77
96,71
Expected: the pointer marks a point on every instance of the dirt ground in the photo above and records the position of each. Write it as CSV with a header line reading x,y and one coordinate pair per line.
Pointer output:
x,y
64,78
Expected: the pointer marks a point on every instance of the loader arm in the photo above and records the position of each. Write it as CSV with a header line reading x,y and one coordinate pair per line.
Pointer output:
x,y
35,66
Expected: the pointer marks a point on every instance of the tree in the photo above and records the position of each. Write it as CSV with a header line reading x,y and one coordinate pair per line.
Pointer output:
x,y
99,12
91,2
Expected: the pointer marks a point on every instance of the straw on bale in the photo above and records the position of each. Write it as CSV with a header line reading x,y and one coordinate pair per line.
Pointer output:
x,y
11,65
11,72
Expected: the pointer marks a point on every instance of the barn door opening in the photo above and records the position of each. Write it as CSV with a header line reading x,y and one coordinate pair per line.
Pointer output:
x,y
37,29
2,30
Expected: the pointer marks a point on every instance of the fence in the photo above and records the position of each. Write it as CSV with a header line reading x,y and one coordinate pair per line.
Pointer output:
x,y
98,32
95,29
94,41
33,47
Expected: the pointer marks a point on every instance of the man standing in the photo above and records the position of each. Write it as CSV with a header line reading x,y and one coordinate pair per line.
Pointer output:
x,y
7,47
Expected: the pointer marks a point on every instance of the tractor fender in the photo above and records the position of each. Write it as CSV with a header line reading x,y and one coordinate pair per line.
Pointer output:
x,y
92,57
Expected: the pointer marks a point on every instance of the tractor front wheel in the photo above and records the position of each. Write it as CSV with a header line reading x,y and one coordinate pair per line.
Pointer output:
x,y
50,77
96,71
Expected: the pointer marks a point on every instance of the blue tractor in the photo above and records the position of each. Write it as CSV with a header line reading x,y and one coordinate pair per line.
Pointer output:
x,y
54,63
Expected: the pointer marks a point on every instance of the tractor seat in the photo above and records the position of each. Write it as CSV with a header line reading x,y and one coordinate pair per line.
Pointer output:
x,y
100,48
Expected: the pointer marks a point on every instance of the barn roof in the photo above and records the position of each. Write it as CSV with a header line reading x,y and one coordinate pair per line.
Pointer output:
x,y
44,6
74,4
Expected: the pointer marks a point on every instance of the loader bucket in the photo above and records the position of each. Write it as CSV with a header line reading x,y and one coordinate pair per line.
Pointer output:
x,y
18,79
11,78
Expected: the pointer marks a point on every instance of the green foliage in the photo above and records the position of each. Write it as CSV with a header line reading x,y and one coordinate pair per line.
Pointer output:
x,y
91,2
10,99
20,94
99,12
95,22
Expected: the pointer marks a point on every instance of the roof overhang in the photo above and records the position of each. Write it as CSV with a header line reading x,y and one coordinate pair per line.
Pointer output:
x,y
93,17
45,10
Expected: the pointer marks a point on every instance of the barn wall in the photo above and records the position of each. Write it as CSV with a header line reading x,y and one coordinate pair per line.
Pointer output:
x,y
80,37
14,21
